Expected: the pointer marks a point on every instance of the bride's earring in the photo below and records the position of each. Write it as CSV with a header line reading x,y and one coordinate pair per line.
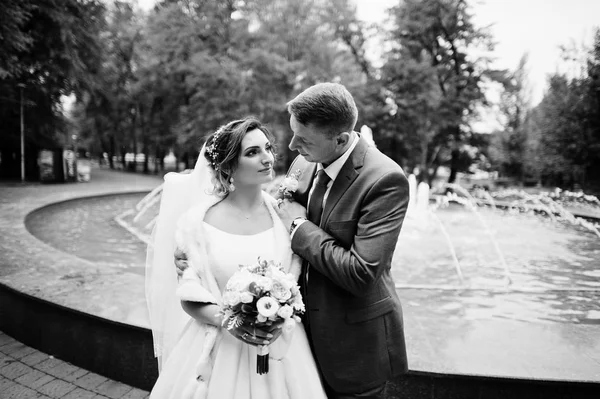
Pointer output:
x,y
231,186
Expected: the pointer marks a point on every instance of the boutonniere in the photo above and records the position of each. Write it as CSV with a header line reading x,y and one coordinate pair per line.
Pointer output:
x,y
288,186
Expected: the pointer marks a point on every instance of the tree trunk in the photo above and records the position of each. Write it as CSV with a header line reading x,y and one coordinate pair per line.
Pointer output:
x,y
111,152
433,175
424,167
146,152
454,162
133,165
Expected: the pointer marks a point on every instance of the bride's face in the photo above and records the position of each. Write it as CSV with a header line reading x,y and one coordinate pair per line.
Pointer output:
x,y
255,164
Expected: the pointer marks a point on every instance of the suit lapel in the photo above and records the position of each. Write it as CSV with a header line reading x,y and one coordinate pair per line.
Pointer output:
x,y
344,179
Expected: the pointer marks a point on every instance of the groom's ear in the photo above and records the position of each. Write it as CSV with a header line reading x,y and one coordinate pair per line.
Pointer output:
x,y
343,139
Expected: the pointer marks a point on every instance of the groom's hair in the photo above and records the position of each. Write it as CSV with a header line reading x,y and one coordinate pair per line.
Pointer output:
x,y
327,106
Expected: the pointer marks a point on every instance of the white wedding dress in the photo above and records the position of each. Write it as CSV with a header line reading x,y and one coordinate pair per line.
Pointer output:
x,y
292,370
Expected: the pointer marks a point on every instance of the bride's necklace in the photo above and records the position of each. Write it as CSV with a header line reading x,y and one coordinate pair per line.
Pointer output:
x,y
246,216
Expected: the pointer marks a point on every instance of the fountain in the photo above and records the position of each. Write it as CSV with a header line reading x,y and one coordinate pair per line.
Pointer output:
x,y
423,214
480,278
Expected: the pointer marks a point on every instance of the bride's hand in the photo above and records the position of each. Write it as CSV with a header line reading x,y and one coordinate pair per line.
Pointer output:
x,y
258,333
180,261
290,210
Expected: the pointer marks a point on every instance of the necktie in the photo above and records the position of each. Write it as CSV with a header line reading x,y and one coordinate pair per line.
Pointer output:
x,y
315,210
315,206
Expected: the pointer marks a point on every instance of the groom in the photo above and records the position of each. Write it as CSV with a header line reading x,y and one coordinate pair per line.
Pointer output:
x,y
344,222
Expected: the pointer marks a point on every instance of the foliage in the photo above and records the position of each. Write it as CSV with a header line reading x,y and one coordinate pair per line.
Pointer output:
x,y
566,127
160,81
50,49
435,81
177,74
508,150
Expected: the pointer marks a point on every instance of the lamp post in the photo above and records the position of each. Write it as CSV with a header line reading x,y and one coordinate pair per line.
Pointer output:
x,y
21,87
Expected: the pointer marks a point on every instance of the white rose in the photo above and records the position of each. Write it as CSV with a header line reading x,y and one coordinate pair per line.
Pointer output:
x,y
239,281
280,292
246,297
286,182
298,304
295,290
267,306
231,298
292,185
285,312
265,283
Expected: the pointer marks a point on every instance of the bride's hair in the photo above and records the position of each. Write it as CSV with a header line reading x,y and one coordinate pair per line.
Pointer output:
x,y
223,149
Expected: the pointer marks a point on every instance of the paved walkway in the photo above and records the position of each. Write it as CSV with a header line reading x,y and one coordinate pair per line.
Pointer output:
x,y
27,373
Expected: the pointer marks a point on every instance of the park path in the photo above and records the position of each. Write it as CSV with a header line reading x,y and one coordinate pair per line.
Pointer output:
x,y
28,373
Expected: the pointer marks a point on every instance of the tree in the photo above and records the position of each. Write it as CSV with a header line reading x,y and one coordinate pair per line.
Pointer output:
x,y
509,147
567,126
440,33
109,113
412,87
51,48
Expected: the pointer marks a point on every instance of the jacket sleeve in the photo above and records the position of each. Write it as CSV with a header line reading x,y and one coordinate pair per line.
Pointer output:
x,y
378,226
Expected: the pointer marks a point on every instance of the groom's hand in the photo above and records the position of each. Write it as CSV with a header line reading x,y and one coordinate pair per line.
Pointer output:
x,y
290,210
258,333
180,261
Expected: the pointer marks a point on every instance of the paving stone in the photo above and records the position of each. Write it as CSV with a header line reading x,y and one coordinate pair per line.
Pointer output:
x,y
5,339
80,393
78,373
5,383
136,394
61,370
34,379
42,381
14,370
18,391
22,352
56,388
5,359
112,389
49,364
11,348
34,358
90,381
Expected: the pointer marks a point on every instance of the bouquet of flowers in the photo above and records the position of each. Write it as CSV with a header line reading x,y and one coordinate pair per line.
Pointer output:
x,y
261,294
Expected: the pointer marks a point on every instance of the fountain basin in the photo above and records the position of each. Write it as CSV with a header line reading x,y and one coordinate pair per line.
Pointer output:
x,y
542,326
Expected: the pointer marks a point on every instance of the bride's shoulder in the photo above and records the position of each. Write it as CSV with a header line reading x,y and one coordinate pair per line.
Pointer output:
x,y
269,199
216,212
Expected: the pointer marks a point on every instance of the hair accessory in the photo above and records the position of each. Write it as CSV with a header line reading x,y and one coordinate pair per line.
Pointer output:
x,y
211,150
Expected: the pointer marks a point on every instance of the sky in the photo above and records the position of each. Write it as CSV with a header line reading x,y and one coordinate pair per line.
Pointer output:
x,y
536,27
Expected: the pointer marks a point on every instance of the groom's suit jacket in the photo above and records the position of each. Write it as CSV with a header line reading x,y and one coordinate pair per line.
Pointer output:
x,y
353,313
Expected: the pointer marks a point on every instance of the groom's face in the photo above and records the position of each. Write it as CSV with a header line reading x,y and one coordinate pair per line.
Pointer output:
x,y
312,143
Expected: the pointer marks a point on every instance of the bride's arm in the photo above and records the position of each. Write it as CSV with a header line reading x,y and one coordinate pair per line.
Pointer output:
x,y
207,313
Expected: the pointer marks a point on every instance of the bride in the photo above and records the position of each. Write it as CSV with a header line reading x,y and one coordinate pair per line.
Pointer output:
x,y
224,220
